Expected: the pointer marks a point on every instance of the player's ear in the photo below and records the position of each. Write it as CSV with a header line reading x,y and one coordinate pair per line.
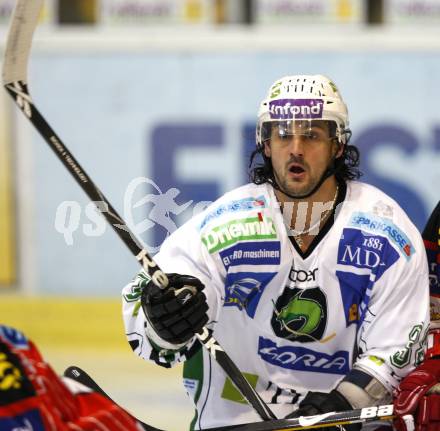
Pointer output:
x,y
267,149
338,148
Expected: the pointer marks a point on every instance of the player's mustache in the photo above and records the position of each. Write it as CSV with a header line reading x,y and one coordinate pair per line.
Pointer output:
x,y
299,161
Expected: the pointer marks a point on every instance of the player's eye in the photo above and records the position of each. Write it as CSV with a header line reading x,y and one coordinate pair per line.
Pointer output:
x,y
315,135
284,136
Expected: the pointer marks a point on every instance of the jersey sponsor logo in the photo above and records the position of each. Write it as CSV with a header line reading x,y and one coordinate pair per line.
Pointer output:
x,y
252,228
385,227
28,421
14,385
361,261
10,376
302,359
244,289
252,253
300,315
361,257
246,204
370,252
14,337
301,276
288,109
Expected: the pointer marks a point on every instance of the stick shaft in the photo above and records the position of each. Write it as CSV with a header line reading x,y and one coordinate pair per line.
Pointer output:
x,y
20,94
24,22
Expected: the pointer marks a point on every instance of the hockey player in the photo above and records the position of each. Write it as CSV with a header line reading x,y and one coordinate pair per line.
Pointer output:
x,y
33,397
418,394
306,276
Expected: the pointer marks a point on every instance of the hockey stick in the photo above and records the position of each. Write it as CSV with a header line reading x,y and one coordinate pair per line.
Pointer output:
x,y
79,375
23,24
368,414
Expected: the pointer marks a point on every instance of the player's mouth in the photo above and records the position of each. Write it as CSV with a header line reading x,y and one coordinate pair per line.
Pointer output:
x,y
296,171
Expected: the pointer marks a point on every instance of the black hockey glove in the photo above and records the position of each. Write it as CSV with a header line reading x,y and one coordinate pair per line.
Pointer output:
x,y
177,312
315,403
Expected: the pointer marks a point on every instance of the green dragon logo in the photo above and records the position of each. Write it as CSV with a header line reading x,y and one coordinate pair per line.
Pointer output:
x,y
305,313
301,315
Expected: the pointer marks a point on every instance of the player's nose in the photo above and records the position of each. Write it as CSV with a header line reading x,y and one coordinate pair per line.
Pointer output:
x,y
296,145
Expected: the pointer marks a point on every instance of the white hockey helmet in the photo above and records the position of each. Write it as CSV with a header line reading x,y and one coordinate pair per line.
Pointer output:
x,y
303,97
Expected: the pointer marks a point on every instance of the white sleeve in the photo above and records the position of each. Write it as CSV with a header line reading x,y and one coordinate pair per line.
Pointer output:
x,y
392,337
184,253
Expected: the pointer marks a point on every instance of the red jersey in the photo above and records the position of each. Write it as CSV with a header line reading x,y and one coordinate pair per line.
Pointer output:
x,y
431,238
33,397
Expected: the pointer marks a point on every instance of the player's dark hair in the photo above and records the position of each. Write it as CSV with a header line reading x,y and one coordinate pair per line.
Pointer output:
x,y
346,166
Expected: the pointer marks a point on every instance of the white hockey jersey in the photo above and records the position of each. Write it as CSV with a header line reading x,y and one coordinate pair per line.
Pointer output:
x,y
294,322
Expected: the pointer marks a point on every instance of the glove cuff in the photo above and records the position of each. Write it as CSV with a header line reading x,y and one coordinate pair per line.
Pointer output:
x,y
157,342
326,402
434,343
339,402
361,389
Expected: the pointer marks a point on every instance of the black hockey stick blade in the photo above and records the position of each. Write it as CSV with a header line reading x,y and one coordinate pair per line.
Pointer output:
x,y
368,414
23,24
79,375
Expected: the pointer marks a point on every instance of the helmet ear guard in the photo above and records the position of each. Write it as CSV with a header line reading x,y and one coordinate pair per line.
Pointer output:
x,y
343,138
